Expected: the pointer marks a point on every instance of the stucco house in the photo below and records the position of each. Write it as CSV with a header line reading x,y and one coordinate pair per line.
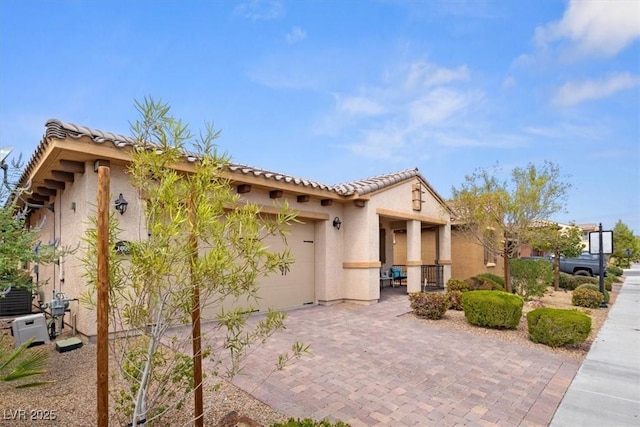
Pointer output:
x,y
349,232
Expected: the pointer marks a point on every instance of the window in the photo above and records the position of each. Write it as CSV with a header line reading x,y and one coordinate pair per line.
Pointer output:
x,y
490,255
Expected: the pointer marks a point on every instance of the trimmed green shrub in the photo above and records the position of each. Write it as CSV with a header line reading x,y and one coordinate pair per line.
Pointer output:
x,y
530,277
609,281
455,289
430,305
595,288
571,282
478,283
494,278
308,422
455,300
558,327
614,271
585,297
457,285
493,309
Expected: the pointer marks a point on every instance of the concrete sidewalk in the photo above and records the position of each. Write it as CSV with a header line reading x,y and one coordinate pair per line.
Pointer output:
x,y
606,389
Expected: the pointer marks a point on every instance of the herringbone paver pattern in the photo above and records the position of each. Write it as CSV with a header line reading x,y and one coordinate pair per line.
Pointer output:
x,y
372,367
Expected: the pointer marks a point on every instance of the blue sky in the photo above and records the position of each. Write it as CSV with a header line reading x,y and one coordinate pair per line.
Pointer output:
x,y
341,90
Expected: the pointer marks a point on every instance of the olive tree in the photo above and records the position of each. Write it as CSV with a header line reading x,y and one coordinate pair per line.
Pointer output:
x,y
200,247
558,240
499,213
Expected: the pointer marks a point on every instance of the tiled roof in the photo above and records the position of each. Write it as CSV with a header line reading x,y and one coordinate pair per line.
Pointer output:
x,y
60,130
375,183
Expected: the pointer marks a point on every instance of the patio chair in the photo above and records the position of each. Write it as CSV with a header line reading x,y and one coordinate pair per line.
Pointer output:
x,y
384,276
398,275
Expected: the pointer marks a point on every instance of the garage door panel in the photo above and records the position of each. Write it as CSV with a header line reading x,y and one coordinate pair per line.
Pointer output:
x,y
296,287
280,291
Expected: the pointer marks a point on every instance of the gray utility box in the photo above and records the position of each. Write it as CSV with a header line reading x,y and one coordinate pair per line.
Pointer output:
x,y
26,327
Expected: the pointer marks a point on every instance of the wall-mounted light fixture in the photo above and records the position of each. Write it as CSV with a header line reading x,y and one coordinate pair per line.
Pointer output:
x,y
337,223
121,204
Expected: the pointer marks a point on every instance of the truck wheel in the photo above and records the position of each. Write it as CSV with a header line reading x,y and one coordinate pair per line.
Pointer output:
x,y
582,273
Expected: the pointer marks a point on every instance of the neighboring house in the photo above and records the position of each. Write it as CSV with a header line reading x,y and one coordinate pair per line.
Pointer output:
x,y
347,235
586,229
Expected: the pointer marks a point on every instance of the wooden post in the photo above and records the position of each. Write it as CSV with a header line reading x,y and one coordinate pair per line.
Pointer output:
x,y
102,350
196,334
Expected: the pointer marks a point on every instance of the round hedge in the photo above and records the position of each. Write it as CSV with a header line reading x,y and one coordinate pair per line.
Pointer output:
x,y
558,327
585,297
595,288
457,285
493,309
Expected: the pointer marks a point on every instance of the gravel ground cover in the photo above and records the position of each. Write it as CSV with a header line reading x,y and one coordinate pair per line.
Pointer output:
x,y
71,399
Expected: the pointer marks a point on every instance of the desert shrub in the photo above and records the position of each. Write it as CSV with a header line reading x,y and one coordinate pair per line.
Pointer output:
x,y
457,285
530,277
558,327
571,282
493,309
585,297
595,288
609,281
455,299
494,278
430,305
614,271
479,283
308,422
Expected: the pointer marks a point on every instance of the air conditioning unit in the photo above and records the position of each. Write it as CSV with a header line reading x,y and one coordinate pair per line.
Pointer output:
x,y
25,327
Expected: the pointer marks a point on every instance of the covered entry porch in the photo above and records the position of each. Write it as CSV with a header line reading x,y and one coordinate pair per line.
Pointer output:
x,y
416,247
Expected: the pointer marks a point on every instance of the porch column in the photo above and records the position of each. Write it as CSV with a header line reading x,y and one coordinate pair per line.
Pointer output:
x,y
414,256
444,249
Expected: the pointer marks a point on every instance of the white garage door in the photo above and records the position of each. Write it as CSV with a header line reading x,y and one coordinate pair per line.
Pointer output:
x,y
295,287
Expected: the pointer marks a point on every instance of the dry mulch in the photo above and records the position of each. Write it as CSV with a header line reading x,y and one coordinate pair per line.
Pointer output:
x,y
71,398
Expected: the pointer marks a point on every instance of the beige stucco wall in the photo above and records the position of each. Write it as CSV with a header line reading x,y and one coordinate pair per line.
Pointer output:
x,y
347,261
468,258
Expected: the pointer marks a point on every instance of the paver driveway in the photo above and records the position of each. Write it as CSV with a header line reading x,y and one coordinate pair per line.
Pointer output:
x,y
371,366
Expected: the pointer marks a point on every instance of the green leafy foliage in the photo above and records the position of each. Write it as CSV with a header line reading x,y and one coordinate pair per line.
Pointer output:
x,y
482,283
558,327
457,285
20,365
623,239
614,271
455,300
497,280
493,309
530,278
202,245
455,289
430,305
571,282
595,288
510,208
585,297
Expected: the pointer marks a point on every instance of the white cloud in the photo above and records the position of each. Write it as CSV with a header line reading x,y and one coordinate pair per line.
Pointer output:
x,y
437,106
597,27
508,82
260,10
296,35
358,105
572,93
425,74
381,144
413,104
